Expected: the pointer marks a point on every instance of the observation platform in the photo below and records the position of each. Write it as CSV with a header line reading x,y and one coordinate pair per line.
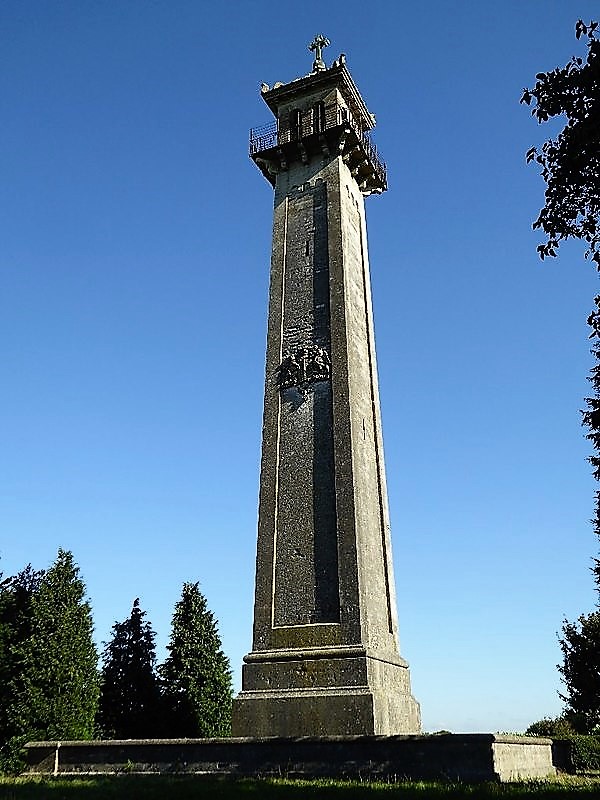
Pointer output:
x,y
272,148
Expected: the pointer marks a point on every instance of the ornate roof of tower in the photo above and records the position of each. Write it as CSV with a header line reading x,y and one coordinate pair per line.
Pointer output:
x,y
319,114
337,75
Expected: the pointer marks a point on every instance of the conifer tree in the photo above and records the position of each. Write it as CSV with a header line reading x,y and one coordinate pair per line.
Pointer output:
x,y
16,595
196,676
130,703
54,691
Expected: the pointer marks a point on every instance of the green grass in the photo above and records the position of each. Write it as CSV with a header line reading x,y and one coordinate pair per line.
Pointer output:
x,y
151,787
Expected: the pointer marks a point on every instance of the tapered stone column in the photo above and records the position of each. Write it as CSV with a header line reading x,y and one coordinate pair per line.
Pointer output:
x,y
325,657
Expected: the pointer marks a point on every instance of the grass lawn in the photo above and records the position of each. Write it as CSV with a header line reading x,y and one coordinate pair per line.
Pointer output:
x,y
150,787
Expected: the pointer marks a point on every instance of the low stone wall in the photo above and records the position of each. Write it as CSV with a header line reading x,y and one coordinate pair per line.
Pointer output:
x,y
457,757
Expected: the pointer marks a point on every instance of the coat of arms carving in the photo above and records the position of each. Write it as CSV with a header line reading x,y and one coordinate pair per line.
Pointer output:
x,y
304,366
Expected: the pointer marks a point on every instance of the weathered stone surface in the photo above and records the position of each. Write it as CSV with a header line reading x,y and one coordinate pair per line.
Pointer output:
x,y
512,762
456,757
325,656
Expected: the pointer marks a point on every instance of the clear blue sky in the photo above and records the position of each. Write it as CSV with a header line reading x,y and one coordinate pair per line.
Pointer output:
x,y
134,259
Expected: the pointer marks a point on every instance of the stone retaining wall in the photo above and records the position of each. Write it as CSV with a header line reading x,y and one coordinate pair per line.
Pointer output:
x,y
458,757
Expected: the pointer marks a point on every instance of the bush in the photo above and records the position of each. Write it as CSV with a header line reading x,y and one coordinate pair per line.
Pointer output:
x,y
585,752
553,727
585,748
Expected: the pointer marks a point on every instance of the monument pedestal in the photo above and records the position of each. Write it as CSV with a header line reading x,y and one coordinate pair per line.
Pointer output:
x,y
324,692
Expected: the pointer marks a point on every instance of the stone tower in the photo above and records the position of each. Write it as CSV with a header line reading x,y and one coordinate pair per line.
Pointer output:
x,y
325,658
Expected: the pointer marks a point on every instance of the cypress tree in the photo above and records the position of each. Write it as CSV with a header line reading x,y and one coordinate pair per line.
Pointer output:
x,y
196,676
16,594
130,704
54,687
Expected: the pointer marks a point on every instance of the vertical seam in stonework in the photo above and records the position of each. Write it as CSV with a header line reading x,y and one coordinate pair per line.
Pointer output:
x,y
322,335
281,315
375,429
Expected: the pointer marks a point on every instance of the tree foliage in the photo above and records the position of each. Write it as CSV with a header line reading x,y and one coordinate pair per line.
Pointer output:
x,y
16,595
570,166
591,418
130,704
580,671
570,163
557,727
55,691
50,687
196,676
48,661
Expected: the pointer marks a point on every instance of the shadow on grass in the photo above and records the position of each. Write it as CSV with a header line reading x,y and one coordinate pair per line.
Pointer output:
x,y
150,787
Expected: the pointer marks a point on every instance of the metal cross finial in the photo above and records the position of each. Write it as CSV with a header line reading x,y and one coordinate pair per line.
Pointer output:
x,y
318,43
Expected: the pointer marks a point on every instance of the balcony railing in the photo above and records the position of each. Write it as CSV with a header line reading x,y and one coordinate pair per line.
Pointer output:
x,y
271,135
263,138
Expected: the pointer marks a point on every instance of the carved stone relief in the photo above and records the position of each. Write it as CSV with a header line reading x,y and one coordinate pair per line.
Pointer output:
x,y
304,366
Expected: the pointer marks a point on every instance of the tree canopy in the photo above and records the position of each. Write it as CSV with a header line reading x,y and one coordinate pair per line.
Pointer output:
x,y
570,163
580,670
570,166
196,677
591,419
16,595
50,687
55,691
130,696
48,660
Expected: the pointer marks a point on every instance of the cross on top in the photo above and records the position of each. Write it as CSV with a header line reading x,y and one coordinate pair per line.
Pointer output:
x,y
318,43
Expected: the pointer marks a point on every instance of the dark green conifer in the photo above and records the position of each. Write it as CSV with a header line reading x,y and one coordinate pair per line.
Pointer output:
x,y
16,594
130,704
196,676
54,687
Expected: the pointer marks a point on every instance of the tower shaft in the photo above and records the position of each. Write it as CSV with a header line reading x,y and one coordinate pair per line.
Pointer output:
x,y
325,658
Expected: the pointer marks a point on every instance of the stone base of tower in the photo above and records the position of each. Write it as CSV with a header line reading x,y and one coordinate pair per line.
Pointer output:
x,y
291,694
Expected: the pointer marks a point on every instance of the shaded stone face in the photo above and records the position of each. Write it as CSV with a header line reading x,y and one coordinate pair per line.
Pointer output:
x,y
305,583
451,757
325,656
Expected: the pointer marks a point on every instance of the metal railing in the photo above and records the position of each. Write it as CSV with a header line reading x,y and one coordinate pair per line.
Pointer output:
x,y
263,138
267,136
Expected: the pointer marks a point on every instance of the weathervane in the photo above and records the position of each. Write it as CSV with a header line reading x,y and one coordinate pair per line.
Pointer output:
x,y
318,43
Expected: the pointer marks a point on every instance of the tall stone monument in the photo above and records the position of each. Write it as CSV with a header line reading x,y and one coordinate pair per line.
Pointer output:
x,y
325,658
